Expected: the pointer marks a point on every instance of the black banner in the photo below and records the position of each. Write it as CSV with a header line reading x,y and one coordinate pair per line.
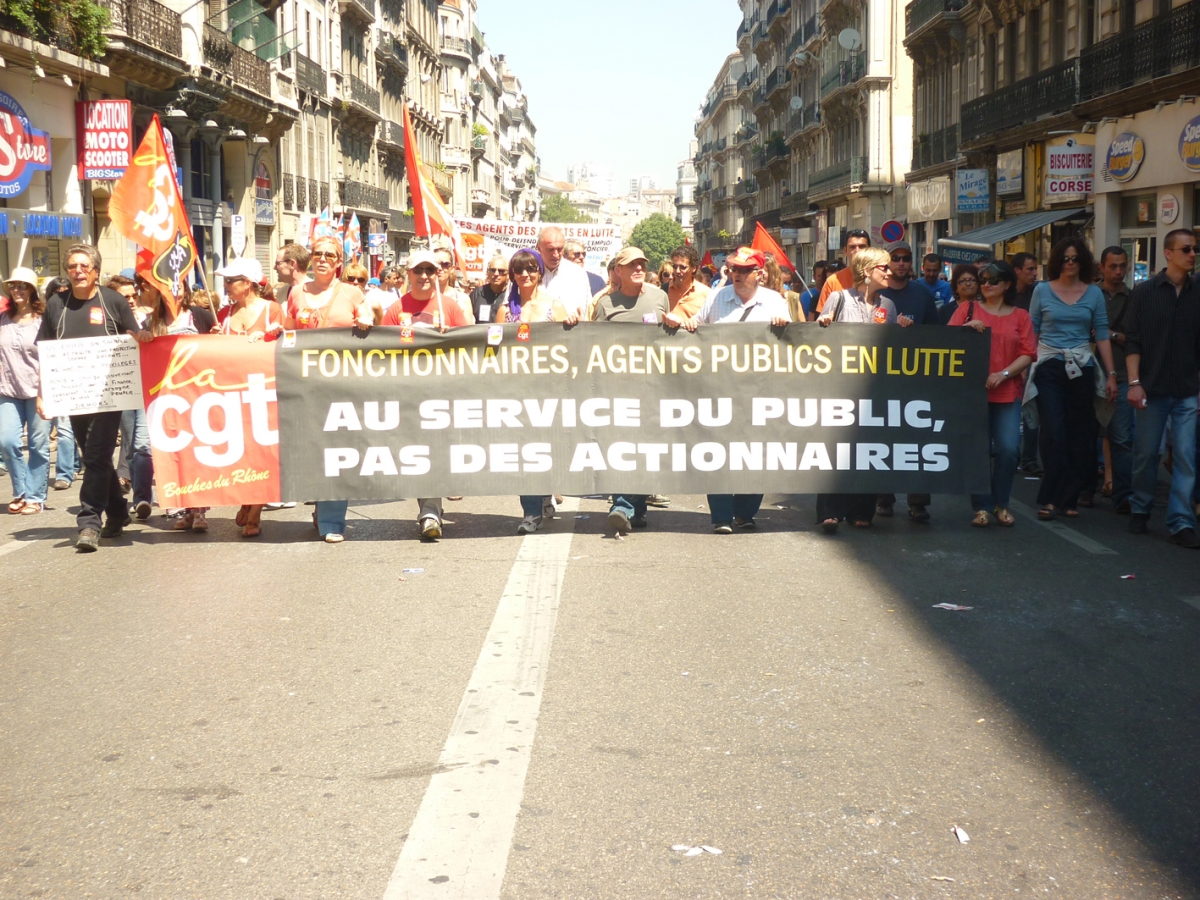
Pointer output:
x,y
600,408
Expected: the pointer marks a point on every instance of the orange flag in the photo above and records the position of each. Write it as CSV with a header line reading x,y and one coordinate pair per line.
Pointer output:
x,y
147,207
764,242
430,214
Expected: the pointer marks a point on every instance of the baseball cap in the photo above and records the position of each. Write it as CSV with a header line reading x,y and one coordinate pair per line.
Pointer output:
x,y
421,256
629,255
242,267
747,256
899,245
373,282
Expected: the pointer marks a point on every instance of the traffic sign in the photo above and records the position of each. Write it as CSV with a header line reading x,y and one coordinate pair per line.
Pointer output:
x,y
891,231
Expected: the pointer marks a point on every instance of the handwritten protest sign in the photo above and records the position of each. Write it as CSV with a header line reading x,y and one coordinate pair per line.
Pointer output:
x,y
89,375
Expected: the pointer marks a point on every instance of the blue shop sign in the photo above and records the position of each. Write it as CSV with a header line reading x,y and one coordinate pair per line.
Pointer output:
x,y
43,225
23,148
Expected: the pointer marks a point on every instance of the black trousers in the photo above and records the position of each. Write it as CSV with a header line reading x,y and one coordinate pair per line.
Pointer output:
x,y
913,500
1067,431
851,507
96,437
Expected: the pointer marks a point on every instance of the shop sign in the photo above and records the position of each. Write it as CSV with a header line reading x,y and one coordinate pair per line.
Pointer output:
x,y
23,148
40,225
376,241
929,201
1168,209
1189,144
1069,170
1125,155
973,195
104,135
1010,172
264,199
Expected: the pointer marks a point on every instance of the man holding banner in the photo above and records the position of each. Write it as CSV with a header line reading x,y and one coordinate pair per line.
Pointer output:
x,y
92,311
567,284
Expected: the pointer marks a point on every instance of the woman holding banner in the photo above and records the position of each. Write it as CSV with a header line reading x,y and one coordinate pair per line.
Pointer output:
x,y
325,302
19,325
860,303
1013,347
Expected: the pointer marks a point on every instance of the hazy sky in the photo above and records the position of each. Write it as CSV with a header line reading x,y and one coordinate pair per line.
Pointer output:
x,y
616,82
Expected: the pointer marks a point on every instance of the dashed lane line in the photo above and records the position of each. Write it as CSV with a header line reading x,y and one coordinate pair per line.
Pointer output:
x,y
1067,534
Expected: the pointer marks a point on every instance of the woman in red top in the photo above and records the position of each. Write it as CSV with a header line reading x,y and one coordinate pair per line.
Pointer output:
x,y
325,302
1014,346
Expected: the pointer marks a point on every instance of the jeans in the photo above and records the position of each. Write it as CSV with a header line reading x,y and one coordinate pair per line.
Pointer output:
x,y
1029,442
1004,431
96,437
28,479
630,504
135,444
331,516
724,508
1151,422
1120,443
66,459
1067,425
531,505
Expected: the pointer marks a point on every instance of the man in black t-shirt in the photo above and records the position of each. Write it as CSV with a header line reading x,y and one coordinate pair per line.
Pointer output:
x,y
90,311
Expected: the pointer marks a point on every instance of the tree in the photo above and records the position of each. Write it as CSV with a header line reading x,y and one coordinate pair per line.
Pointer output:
x,y
557,208
657,236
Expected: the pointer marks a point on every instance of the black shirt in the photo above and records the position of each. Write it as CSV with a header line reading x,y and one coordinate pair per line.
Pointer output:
x,y
1024,298
916,302
1165,329
484,296
106,313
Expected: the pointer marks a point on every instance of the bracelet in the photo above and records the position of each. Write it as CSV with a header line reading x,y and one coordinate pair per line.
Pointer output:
x,y
1005,374
1112,374
1134,383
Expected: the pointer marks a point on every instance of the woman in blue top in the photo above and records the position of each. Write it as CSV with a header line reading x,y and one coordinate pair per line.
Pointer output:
x,y
1068,312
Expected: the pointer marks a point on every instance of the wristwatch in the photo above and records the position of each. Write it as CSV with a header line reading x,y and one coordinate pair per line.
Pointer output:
x,y
1135,383
1005,374
1112,374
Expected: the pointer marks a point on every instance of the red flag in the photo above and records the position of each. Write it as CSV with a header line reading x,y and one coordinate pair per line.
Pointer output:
x,y
766,243
707,261
147,207
430,214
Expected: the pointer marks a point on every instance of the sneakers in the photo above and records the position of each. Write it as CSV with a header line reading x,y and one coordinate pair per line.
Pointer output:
x,y
658,500
638,522
618,522
1137,523
142,509
529,525
884,510
722,528
1186,538
431,529
62,484
88,541
334,537
748,524
113,529
1123,508
918,513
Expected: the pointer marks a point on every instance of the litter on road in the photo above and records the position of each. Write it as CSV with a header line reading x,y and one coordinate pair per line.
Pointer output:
x,y
1129,577
963,837
953,607
412,571
688,850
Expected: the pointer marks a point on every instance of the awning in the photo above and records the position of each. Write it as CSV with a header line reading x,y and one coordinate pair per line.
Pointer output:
x,y
978,241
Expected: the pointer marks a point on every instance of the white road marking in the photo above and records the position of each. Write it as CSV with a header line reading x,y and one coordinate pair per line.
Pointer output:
x,y
14,546
1067,534
1191,601
459,843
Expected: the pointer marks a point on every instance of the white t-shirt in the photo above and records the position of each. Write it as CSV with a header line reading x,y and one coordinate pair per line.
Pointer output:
x,y
569,286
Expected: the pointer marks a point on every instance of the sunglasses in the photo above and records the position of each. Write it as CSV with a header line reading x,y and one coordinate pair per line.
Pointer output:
x,y
445,265
902,258
1070,259
324,254
1190,248
523,270
991,280
356,280
497,271
578,254
743,270
424,271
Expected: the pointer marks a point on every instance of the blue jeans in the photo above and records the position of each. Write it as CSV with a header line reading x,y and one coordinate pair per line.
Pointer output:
x,y
630,504
1004,430
135,444
28,479
531,505
1120,445
66,458
724,508
1151,423
331,516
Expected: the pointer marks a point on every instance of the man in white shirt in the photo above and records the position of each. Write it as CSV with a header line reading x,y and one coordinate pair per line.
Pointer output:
x,y
743,301
568,284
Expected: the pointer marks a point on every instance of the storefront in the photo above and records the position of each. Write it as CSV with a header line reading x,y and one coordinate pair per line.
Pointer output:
x,y
1148,182
41,205
264,217
928,214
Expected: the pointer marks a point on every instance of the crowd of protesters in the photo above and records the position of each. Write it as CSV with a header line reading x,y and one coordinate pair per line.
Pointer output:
x,y
1091,385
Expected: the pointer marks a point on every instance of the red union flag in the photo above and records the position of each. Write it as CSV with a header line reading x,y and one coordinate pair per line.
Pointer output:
x,y
213,419
147,208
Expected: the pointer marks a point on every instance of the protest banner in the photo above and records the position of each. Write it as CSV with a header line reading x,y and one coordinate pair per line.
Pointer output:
x,y
474,257
601,408
90,375
212,418
601,241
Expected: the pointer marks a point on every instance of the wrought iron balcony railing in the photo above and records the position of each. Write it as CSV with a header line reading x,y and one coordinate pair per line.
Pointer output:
x,y
841,176
148,22
1153,49
310,77
1055,90
226,57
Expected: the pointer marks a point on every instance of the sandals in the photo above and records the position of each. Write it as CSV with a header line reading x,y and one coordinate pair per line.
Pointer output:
x,y
1071,513
981,520
1046,513
862,523
830,526
31,509
243,516
1107,490
199,523
15,507
183,523
1004,517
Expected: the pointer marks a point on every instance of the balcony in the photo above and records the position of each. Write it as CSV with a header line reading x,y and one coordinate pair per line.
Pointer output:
x,y
840,177
147,22
390,50
357,196
400,222
456,46
725,92
391,135
361,9
842,74
301,193
794,206
778,18
747,80
720,144
475,91
720,193
481,202
762,34
311,77
242,67
936,148
479,146
920,12
477,38
363,96
775,151
1055,90
777,80
745,189
746,29
443,181
802,120
1155,48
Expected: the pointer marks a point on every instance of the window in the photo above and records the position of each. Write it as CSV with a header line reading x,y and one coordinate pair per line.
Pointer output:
x,y
1058,30
1033,41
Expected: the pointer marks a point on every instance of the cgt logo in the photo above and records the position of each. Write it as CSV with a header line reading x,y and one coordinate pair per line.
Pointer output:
x,y
23,148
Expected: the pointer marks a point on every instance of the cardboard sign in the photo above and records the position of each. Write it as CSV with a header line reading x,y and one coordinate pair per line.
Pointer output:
x,y
90,375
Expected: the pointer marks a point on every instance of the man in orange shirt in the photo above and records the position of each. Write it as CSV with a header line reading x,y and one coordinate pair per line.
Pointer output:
x,y
856,239
686,294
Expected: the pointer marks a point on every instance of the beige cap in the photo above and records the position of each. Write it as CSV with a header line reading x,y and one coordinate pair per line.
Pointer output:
x,y
629,255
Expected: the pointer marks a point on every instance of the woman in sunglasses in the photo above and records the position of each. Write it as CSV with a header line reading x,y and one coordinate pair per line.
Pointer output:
x,y
325,302
527,300
964,289
862,302
1013,347
1068,311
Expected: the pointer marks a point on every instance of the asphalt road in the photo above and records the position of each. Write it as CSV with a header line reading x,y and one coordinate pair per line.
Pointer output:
x,y
201,716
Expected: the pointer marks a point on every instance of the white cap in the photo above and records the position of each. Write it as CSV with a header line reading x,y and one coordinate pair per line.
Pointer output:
x,y
23,274
242,267
422,256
